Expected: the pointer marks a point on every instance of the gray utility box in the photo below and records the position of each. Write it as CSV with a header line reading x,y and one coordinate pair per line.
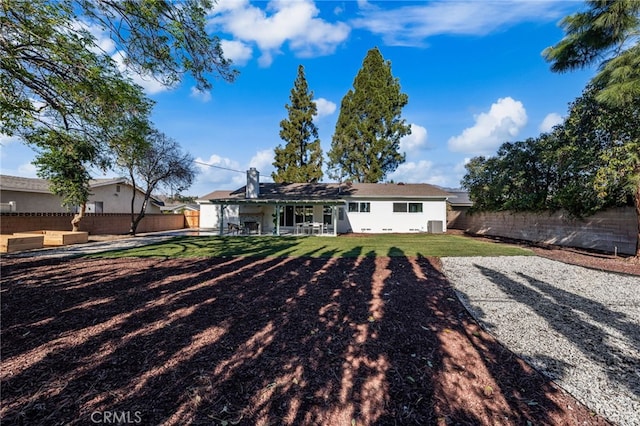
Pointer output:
x,y
435,227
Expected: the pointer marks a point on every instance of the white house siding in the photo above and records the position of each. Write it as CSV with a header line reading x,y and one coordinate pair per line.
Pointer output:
x,y
382,218
210,215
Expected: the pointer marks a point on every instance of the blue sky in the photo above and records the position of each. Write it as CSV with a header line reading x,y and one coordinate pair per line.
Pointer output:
x,y
473,72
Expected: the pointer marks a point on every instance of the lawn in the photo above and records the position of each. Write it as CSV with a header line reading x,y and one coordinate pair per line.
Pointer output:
x,y
348,246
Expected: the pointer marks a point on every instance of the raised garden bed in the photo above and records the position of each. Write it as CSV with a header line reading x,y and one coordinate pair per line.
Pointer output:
x,y
13,243
59,238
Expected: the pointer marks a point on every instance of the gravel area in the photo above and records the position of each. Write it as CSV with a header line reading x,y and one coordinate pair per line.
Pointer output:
x,y
578,326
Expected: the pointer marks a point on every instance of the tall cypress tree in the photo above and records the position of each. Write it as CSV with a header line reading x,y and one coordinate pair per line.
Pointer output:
x,y
367,136
300,160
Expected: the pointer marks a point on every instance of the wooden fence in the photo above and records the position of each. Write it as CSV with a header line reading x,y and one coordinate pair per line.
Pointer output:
x,y
96,224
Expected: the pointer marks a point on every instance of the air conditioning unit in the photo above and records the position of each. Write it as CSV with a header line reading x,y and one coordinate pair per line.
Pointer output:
x,y
435,227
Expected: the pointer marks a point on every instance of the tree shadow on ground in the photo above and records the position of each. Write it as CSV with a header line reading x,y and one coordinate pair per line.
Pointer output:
x,y
583,322
363,340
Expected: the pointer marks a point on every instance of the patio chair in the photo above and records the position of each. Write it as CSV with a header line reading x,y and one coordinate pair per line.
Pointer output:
x,y
233,228
316,228
251,227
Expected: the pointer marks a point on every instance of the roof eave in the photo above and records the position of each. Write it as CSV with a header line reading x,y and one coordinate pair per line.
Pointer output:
x,y
228,201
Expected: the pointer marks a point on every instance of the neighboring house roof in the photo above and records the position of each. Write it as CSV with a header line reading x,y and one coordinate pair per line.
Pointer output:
x,y
24,184
178,207
325,193
21,184
460,198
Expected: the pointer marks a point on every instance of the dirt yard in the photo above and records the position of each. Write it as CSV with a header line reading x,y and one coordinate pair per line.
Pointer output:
x,y
294,341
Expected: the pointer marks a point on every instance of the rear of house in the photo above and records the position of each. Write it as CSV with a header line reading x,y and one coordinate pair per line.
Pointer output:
x,y
325,208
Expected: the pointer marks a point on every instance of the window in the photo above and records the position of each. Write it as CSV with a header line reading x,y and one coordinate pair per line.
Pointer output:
x,y
407,207
291,215
359,207
286,216
327,215
341,213
399,207
415,207
95,207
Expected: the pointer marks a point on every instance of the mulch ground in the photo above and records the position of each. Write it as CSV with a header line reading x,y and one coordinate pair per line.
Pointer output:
x,y
283,341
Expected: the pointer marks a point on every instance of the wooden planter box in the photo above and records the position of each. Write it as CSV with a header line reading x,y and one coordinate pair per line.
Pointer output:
x,y
59,238
12,243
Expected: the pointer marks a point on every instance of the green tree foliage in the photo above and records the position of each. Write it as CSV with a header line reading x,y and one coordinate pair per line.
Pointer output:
x,y
518,178
47,53
589,163
71,143
63,163
60,89
300,160
607,33
158,163
598,155
367,137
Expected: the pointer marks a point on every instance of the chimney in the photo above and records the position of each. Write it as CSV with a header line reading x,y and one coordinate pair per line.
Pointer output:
x,y
253,183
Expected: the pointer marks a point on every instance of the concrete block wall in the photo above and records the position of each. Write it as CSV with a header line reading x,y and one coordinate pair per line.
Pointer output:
x,y
610,230
95,224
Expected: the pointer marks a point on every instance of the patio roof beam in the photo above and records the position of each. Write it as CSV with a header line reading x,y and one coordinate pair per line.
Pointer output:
x,y
277,202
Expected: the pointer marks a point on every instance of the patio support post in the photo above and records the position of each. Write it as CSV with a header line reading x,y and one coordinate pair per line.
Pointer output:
x,y
222,207
334,219
278,219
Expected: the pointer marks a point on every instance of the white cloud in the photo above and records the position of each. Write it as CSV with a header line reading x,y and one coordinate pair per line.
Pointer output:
x,y
411,25
502,123
460,167
222,173
6,140
324,107
364,4
282,21
423,171
237,51
27,170
550,121
263,162
103,43
148,83
415,141
215,173
445,174
16,157
202,95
